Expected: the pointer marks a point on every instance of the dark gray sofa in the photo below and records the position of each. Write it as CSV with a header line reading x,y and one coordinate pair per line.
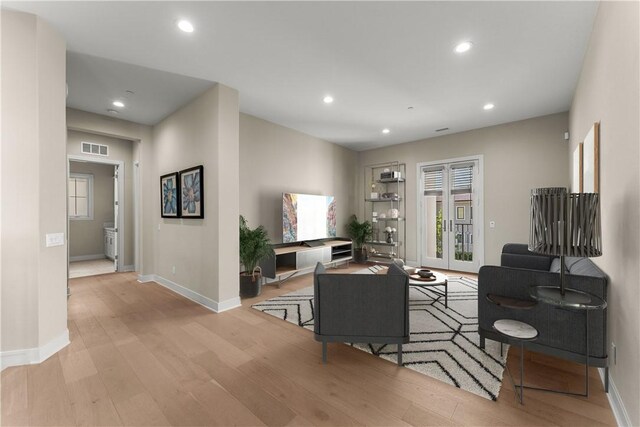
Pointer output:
x,y
562,332
361,308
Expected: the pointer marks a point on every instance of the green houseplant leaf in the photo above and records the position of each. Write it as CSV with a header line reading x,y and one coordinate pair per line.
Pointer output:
x,y
359,232
254,245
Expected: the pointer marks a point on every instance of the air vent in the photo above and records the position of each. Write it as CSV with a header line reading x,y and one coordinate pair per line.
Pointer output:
x,y
442,129
95,149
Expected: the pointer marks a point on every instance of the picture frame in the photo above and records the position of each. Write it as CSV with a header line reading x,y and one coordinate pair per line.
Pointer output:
x,y
192,192
591,160
577,183
169,196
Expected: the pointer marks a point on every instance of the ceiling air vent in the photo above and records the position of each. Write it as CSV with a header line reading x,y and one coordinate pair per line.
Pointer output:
x,y
95,149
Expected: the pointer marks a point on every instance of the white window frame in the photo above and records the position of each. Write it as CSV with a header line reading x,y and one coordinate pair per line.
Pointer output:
x,y
89,178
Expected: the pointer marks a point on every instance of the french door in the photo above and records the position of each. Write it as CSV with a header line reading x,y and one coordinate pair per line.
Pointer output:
x,y
449,209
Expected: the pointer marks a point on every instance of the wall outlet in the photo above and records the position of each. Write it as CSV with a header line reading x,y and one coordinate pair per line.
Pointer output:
x,y
173,269
613,353
492,224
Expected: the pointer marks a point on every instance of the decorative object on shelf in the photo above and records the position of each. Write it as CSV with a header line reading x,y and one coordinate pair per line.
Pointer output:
x,y
359,232
382,215
389,174
374,191
254,246
565,224
192,192
389,232
169,196
389,196
591,163
393,213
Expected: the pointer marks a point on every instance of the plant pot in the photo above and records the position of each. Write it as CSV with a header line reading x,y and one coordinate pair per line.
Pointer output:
x,y
250,285
360,256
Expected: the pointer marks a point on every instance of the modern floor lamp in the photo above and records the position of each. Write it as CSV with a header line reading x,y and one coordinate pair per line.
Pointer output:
x,y
565,224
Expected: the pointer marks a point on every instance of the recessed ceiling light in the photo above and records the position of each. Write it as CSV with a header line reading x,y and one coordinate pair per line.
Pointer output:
x,y
185,26
112,111
385,130
463,47
118,104
488,106
328,99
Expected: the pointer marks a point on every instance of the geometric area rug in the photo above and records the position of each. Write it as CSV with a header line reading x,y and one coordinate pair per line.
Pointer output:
x,y
444,342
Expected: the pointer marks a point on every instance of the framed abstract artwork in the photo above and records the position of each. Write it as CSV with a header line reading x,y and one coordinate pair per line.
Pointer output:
x,y
192,192
591,163
169,196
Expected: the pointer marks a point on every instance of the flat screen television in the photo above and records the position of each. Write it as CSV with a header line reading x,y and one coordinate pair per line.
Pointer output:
x,y
307,217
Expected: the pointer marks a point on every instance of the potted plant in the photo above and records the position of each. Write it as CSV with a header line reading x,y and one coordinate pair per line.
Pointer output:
x,y
254,245
359,232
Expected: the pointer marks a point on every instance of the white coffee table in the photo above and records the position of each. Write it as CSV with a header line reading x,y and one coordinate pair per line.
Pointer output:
x,y
441,280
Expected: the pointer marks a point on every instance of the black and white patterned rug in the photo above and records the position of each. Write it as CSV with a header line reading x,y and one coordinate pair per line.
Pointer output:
x,y
444,341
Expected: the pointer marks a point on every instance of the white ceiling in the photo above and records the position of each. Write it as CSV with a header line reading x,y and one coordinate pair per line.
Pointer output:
x,y
375,58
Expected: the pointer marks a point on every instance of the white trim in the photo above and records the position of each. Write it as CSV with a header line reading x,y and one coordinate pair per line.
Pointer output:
x,y
479,213
206,302
616,403
31,356
86,257
121,201
89,178
128,268
145,278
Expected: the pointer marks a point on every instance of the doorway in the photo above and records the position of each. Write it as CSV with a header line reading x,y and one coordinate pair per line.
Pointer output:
x,y
450,211
94,216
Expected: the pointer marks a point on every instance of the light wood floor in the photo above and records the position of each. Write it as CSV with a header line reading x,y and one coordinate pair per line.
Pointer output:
x,y
142,355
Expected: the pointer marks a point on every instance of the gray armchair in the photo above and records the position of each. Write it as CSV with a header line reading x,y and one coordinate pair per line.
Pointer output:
x,y
361,308
561,332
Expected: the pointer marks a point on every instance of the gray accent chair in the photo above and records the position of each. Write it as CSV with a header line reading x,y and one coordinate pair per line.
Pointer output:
x,y
361,308
562,332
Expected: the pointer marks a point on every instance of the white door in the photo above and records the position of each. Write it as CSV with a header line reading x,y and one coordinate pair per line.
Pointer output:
x,y
116,213
450,202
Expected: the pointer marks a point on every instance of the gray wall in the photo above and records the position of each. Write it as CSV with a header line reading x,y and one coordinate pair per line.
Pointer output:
x,y
518,156
122,150
203,251
275,159
608,92
86,237
33,187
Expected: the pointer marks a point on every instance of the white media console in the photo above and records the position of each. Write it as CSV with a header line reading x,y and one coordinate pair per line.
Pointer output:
x,y
292,259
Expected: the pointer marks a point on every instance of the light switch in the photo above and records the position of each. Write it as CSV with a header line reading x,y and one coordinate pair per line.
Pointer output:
x,y
54,239
492,224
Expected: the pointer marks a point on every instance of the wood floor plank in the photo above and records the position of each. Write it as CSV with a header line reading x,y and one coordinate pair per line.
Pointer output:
x,y
315,410
77,365
143,355
261,403
141,410
91,403
14,396
49,403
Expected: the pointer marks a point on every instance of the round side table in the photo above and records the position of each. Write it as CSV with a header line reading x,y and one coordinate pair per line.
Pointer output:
x,y
517,332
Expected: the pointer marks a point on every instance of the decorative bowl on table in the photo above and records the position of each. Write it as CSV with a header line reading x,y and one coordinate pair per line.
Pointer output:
x,y
424,273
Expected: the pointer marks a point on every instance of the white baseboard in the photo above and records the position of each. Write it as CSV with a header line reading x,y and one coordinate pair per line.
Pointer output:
x,y
207,302
127,268
617,405
145,278
86,257
30,356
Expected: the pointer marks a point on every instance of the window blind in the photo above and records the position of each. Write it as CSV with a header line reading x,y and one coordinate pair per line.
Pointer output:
x,y
461,178
432,179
